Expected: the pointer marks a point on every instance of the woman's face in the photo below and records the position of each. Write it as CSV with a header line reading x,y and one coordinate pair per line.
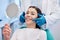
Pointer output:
x,y
30,15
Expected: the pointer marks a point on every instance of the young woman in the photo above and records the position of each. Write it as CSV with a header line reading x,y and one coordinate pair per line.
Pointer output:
x,y
32,30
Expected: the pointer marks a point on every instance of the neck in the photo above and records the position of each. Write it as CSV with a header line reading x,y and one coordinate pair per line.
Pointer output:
x,y
31,25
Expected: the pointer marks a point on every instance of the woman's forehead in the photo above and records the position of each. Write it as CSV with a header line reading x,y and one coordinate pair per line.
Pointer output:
x,y
32,9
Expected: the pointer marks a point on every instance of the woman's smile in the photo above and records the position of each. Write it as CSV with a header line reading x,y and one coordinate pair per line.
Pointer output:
x,y
28,18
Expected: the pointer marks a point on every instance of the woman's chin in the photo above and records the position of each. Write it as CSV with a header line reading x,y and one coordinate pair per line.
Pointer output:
x,y
28,23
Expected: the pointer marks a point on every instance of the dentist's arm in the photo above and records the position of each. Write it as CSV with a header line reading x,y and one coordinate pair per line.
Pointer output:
x,y
53,18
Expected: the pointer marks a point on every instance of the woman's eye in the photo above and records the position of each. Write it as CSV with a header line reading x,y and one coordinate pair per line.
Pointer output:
x,y
32,14
27,13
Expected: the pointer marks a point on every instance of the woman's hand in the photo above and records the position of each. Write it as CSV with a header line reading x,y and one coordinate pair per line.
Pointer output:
x,y
6,32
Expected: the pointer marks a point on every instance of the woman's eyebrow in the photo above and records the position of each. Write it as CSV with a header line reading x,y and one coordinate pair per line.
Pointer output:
x,y
27,11
33,12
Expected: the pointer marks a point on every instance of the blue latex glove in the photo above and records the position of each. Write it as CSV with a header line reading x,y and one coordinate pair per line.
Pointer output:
x,y
0,20
40,20
22,17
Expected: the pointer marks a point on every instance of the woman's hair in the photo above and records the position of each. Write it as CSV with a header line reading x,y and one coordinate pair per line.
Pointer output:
x,y
38,11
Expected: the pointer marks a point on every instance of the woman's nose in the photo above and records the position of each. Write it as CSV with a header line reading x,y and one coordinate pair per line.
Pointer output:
x,y
29,15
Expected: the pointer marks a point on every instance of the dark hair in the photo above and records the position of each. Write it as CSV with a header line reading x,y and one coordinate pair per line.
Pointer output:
x,y
38,11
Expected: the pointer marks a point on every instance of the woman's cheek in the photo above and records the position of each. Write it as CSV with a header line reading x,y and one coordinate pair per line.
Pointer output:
x,y
34,17
25,16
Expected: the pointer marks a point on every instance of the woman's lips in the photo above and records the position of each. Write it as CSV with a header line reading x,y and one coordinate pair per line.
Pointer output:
x,y
28,19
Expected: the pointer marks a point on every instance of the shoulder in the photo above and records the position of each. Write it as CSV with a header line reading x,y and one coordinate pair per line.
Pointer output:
x,y
42,31
20,30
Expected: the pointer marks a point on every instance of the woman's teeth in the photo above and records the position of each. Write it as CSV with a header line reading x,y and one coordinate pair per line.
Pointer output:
x,y
28,19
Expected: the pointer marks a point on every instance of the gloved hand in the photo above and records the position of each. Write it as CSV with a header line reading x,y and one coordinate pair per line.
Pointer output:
x,y
40,20
0,20
22,17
